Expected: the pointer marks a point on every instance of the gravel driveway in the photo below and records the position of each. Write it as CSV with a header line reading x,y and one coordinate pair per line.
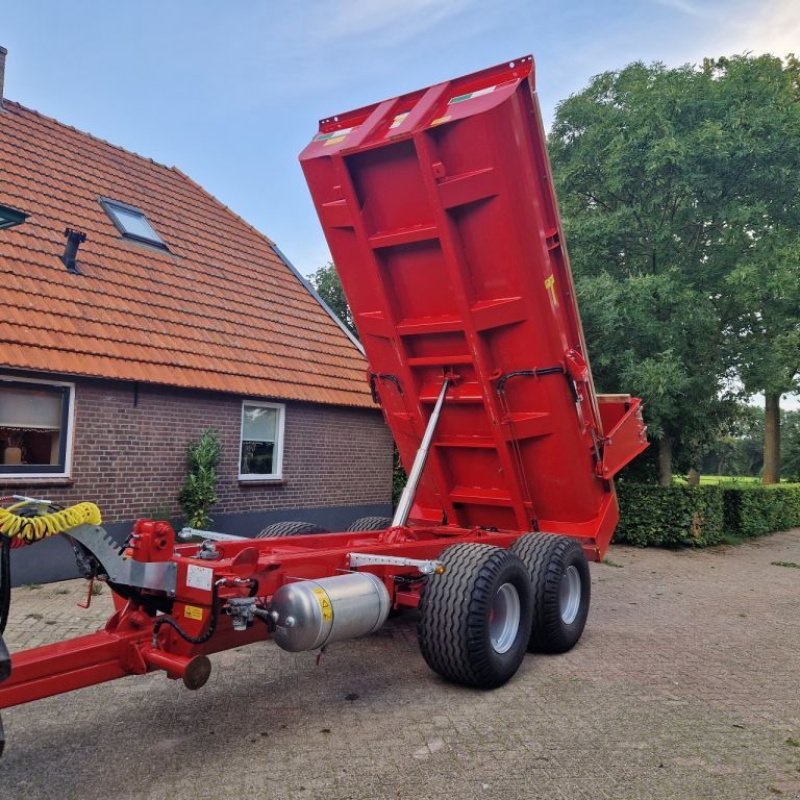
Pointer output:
x,y
686,684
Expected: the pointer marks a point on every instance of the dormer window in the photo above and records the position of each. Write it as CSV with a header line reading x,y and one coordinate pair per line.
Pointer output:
x,y
132,223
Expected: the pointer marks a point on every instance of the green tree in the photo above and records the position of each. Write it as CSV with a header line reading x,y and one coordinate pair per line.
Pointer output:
x,y
737,449
198,494
629,155
329,287
665,179
790,425
761,97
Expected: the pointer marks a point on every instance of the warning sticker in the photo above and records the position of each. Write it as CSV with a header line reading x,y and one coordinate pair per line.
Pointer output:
x,y
338,135
471,95
193,612
550,288
398,120
324,603
199,577
440,120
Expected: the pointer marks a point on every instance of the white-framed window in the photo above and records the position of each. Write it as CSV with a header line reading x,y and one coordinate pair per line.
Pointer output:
x,y
261,442
36,425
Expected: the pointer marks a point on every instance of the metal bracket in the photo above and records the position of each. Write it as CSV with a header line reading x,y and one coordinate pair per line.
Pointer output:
x,y
125,571
426,567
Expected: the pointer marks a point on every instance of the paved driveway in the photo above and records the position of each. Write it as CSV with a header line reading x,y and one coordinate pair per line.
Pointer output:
x,y
686,684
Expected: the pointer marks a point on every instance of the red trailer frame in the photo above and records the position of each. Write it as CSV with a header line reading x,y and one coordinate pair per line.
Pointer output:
x,y
440,213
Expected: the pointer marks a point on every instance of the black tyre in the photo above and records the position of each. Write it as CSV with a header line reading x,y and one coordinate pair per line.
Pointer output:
x,y
475,617
370,524
561,588
289,529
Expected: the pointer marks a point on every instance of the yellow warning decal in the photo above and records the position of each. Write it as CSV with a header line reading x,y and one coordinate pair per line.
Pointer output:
x,y
440,120
324,603
550,286
193,612
338,135
398,120
334,140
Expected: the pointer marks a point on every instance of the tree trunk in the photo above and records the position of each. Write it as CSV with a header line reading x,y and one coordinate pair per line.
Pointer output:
x,y
772,438
665,461
693,477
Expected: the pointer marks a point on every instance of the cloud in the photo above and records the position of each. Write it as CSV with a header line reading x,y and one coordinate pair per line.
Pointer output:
x,y
387,21
768,26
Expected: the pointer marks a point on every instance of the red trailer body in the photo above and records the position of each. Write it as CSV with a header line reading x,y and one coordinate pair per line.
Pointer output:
x,y
441,216
440,213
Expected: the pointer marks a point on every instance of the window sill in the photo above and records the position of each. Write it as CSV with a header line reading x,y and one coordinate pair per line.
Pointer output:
x,y
244,482
34,480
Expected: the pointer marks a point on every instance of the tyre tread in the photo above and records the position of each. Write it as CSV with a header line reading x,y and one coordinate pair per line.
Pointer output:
x,y
290,528
544,554
451,634
370,524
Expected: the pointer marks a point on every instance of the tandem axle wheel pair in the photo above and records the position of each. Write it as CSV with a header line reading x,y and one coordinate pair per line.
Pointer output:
x,y
491,605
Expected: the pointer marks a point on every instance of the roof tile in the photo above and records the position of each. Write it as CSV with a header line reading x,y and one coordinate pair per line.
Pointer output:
x,y
219,310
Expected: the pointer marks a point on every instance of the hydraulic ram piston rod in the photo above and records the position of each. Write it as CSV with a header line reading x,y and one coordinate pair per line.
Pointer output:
x,y
407,497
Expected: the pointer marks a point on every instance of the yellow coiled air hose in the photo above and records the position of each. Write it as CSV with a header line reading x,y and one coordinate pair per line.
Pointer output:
x,y
32,529
18,530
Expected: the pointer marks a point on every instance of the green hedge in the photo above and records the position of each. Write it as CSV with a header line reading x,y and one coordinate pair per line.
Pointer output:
x,y
699,516
756,510
671,516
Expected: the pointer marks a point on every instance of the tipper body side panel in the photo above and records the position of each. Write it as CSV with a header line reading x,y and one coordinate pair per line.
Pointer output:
x,y
440,214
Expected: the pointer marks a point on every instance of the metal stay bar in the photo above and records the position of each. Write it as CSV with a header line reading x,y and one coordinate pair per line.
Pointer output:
x,y
409,492
426,566
213,536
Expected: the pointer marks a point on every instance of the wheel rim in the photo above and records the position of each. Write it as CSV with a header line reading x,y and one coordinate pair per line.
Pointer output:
x,y
569,596
504,618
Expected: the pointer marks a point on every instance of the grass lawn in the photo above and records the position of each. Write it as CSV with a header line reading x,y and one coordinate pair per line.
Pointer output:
x,y
728,480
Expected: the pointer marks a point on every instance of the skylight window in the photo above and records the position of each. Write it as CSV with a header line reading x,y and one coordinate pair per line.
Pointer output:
x,y
132,223
10,217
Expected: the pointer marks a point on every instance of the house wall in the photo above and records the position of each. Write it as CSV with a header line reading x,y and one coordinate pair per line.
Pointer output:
x,y
129,458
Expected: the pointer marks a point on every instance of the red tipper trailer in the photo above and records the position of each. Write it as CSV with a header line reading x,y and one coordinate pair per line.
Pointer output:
x,y
440,213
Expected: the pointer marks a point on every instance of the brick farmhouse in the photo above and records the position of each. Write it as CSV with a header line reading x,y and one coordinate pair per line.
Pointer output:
x,y
137,312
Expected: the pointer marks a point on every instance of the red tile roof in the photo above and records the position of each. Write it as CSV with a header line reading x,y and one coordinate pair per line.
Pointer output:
x,y
219,311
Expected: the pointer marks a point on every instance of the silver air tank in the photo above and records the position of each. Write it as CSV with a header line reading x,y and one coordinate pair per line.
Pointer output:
x,y
311,614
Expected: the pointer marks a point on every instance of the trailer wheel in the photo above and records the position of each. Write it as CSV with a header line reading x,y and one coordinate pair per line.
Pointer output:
x,y
290,529
475,617
561,587
370,524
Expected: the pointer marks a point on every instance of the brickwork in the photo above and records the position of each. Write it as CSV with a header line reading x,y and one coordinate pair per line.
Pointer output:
x,y
129,451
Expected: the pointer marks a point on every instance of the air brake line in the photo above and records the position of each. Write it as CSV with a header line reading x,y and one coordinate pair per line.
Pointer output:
x,y
25,529
17,530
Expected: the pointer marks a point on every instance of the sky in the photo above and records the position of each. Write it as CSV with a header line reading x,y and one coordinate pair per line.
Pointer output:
x,y
231,92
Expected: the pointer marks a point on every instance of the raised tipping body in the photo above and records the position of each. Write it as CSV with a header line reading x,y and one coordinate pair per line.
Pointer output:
x,y
439,210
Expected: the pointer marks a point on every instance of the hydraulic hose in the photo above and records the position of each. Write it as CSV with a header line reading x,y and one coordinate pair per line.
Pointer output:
x,y
167,619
